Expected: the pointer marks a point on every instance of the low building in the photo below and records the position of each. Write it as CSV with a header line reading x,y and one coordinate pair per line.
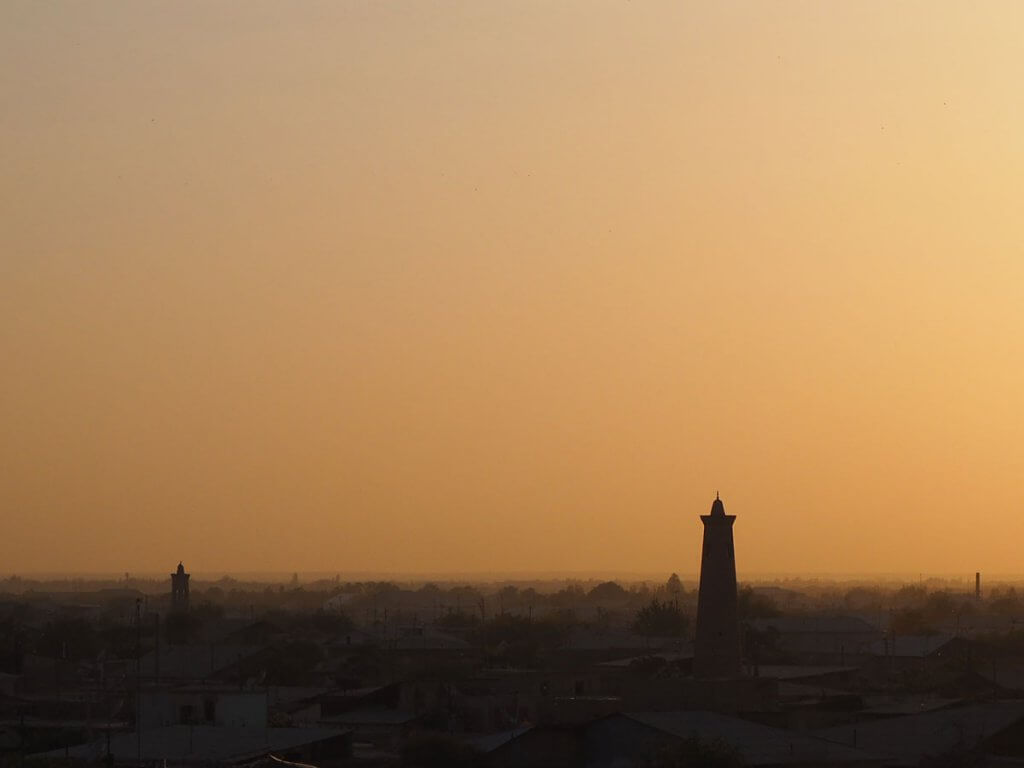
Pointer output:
x,y
195,745
624,739
995,728
208,705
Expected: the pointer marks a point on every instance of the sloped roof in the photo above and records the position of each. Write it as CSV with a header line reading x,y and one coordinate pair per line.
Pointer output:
x,y
907,739
816,624
757,744
489,742
905,705
799,672
194,662
197,743
1005,673
583,639
909,646
667,656
372,717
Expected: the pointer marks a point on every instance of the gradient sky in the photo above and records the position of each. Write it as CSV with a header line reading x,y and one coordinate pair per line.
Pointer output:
x,y
511,285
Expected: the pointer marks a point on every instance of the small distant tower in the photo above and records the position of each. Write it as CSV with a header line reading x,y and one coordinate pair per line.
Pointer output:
x,y
179,589
717,644
977,585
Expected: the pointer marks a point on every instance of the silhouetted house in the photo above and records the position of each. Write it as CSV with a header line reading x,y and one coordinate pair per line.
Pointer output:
x,y
877,707
920,659
384,728
210,745
179,589
211,705
627,739
910,646
190,663
995,728
717,644
418,637
338,702
826,676
603,644
819,639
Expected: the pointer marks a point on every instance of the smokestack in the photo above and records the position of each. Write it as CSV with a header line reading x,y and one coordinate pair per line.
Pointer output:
x,y
977,585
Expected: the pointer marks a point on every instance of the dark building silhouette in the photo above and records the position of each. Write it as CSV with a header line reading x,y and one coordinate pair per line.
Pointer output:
x,y
717,644
179,589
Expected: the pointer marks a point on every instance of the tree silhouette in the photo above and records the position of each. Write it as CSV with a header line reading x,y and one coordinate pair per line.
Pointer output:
x,y
660,619
674,586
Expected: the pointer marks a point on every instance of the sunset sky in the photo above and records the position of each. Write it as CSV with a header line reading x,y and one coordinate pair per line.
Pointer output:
x,y
511,285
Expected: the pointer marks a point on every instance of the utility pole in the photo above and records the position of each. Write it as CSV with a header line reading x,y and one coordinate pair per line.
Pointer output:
x,y
156,649
138,678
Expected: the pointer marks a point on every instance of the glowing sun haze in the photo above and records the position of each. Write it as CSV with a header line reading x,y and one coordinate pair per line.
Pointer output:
x,y
511,285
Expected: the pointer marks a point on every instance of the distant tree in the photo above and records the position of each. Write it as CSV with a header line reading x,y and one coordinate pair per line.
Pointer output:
x,y
292,663
520,641
508,596
380,588
862,599
568,596
1004,602
939,607
911,621
464,593
607,591
71,639
331,623
658,619
181,628
458,620
751,605
529,595
674,586
604,618
911,594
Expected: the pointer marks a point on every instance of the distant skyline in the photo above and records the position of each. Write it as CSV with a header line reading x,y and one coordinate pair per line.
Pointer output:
x,y
465,577
511,286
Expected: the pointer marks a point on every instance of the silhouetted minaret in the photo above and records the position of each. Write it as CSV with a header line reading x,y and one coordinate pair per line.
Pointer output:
x,y
179,589
717,646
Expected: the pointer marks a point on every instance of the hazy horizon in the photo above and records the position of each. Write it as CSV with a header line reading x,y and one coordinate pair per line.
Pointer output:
x,y
496,577
511,286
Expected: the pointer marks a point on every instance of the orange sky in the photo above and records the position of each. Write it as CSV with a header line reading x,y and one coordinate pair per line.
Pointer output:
x,y
511,285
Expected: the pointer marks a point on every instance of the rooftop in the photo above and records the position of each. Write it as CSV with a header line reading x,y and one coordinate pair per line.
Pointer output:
x,y
197,743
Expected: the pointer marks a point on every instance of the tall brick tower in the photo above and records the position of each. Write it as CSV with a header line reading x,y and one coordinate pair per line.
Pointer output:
x,y
717,646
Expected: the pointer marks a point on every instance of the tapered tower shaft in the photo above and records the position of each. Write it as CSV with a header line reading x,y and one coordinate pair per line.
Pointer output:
x,y
717,645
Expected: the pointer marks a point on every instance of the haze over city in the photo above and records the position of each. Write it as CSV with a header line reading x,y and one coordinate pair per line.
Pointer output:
x,y
511,286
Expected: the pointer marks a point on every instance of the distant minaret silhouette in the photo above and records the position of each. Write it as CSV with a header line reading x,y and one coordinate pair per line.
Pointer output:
x,y
179,589
717,646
